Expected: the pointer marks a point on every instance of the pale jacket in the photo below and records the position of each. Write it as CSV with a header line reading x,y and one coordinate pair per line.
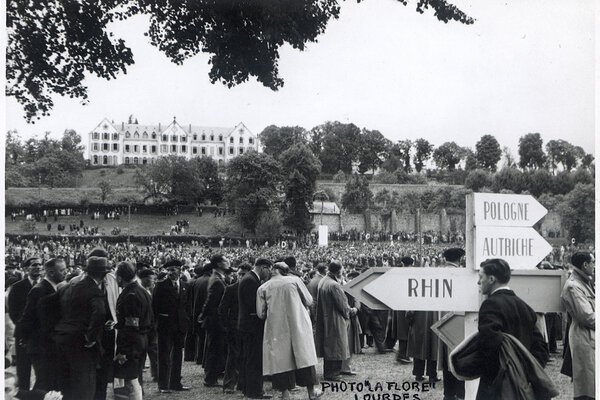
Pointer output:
x,y
288,339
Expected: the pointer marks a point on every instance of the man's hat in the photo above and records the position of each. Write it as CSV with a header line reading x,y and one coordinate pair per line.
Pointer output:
x,y
98,252
290,261
146,273
407,261
453,254
172,263
140,265
97,265
282,266
29,261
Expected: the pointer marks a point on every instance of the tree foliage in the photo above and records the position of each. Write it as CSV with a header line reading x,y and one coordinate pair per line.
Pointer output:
x,y
105,189
372,151
276,140
340,146
357,197
478,179
577,212
448,155
252,186
564,153
423,151
488,152
300,172
402,150
52,45
531,153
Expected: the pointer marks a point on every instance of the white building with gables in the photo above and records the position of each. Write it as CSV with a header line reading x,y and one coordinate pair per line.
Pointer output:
x,y
134,143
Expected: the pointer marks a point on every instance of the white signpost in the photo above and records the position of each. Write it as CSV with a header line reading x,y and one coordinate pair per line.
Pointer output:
x,y
498,226
323,235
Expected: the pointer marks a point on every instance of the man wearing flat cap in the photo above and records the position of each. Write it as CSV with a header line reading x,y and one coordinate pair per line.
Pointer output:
x,y
214,365
17,298
78,333
169,304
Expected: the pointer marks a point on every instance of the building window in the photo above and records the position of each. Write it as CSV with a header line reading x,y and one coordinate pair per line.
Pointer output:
x,y
144,161
106,136
250,140
105,160
194,150
163,148
136,135
173,148
153,149
203,150
241,150
136,148
195,137
153,135
212,138
126,160
231,139
241,140
164,138
127,134
95,160
95,146
203,136
115,136
145,135
184,149
126,148
135,160
95,136
220,151
144,148
105,146
220,138
173,138
184,138
115,146
231,150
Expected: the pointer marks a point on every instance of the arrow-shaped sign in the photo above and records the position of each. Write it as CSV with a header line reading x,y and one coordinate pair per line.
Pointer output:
x,y
493,209
356,287
426,289
522,248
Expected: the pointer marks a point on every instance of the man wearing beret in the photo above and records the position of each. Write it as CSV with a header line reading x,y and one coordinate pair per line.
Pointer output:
x,y
17,298
78,333
169,304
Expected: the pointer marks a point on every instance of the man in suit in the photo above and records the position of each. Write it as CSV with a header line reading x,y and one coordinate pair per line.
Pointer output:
x,y
169,304
78,333
313,287
251,330
215,330
503,312
40,347
228,312
148,282
17,298
199,293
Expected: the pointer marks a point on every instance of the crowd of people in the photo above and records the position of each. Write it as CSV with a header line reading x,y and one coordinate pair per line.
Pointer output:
x,y
244,313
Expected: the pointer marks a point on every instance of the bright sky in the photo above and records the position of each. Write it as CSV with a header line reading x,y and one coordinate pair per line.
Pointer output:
x,y
524,66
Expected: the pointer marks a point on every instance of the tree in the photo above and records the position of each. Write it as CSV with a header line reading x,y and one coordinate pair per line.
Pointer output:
x,y
269,225
251,186
538,181
478,179
276,140
509,159
448,155
357,197
423,151
52,45
577,212
470,160
383,197
371,153
509,179
531,154
14,148
340,147
105,189
587,160
300,172
402,150
487,152
562,152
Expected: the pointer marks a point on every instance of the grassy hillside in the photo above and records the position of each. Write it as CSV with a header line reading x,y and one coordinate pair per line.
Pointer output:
x,y
118,177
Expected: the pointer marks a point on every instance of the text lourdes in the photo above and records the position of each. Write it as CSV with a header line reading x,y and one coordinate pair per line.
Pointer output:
x,y
505,211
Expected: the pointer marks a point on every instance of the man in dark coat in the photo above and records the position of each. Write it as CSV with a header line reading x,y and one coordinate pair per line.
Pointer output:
x,y
148,282
251,330
17,298
169,304
134,321
228,312
199,293
215,330
78,333
503,312
313,287
40,347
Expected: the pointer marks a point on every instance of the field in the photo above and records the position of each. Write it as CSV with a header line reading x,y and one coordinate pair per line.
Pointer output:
x,y
369,366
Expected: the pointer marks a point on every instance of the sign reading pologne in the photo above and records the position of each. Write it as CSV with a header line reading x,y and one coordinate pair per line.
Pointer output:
x,y
426,289
517,210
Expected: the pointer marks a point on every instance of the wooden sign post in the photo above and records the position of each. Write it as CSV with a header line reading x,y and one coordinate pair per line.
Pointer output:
x,y
497,226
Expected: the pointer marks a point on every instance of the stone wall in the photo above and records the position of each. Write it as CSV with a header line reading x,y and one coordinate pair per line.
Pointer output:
x,y
338,189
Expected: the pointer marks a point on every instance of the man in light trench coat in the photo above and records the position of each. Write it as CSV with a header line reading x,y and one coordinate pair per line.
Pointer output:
x,y
333,313
288,348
